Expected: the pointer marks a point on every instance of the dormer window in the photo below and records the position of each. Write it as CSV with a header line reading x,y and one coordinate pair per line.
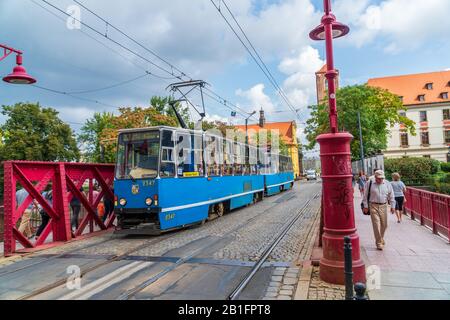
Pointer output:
x,y
429,86
444,95
421,97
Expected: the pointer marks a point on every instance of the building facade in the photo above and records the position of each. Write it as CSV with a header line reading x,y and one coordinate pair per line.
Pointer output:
x,y
288,133
426,99
322,84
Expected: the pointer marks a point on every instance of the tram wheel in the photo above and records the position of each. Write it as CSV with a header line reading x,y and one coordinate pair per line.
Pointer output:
x,y
219,209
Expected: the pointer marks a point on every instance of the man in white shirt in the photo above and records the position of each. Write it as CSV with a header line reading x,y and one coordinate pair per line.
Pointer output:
x,y
381,194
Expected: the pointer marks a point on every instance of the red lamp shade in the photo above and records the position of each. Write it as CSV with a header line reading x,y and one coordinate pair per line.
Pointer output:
x,y
19,76
339,30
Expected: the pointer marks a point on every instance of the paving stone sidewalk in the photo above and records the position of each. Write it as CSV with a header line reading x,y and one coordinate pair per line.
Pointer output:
x,y
415,264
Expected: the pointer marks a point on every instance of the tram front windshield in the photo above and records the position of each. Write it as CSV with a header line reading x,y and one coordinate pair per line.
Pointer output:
x,y
138,155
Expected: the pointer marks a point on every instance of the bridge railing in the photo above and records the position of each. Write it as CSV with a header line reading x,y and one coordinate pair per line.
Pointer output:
x,y
65,180
431,209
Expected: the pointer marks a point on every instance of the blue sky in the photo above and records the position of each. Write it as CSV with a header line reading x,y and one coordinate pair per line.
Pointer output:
x,y
388,37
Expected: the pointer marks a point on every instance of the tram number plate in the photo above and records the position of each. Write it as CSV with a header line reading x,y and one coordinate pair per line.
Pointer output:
x,y
169,216
148,183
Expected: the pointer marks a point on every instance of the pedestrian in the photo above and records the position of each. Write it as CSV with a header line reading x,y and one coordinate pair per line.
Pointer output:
x,y
381,195
75,205
109,206
25,227
399,193
45,218
362,180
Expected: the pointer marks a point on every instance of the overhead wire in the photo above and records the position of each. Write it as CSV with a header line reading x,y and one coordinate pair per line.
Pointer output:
x,y
258,60
179,77
73,96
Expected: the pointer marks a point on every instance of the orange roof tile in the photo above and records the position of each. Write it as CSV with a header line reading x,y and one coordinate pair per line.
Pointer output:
x,y
410,87
286,129
323,69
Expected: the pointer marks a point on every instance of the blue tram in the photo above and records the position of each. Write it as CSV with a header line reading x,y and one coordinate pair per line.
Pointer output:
x,y
168,178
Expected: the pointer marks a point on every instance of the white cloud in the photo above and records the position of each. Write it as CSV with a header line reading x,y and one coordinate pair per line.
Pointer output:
x,y
404,24
300,86
257,98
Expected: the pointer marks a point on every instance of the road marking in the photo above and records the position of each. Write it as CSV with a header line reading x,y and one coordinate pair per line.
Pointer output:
x,y
101,284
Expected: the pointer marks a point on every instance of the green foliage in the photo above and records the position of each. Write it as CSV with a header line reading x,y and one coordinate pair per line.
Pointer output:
x,y
445,178
445,166
162,105
414,171
90,133
34,133
441,187
379,110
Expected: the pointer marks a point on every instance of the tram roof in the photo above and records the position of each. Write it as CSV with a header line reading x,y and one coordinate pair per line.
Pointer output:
x,y
157,128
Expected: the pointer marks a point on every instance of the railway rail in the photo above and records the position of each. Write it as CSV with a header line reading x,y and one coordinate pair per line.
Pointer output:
x,y
128,255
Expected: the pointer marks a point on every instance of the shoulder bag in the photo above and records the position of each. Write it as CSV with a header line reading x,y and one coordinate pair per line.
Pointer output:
x,y
368,200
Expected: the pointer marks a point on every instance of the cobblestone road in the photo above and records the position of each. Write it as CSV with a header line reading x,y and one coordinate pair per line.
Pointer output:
x,y
237,238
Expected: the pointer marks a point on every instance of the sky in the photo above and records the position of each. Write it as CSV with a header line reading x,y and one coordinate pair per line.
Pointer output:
x,y
387,37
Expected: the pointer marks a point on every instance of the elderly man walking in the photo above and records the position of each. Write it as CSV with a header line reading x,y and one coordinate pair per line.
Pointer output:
x,y
381,194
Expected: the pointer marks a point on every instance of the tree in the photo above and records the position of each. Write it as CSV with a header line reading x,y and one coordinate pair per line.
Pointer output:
x,y
127,119
34,133
218,125
90,136
162,105
379,110
261,140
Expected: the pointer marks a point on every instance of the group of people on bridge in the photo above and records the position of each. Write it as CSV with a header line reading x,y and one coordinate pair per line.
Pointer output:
x,y
103,210
378,195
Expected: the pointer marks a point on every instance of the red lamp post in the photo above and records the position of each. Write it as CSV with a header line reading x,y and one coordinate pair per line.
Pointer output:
x,y
339,220
19,74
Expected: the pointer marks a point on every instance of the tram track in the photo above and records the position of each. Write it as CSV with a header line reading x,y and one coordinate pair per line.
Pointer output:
x,y
269,249
123,256
97,266
286,227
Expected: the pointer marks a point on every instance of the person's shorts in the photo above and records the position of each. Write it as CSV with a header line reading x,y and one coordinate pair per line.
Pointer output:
x,y
399,203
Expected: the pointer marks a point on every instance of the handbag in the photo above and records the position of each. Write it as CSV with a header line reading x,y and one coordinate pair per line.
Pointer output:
x,y
368,200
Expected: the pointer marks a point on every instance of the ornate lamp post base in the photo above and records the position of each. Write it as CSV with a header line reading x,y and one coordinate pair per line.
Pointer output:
x,y
339,220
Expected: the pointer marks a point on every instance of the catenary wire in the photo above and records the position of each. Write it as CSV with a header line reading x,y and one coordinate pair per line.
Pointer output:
x,y
259,64
121,45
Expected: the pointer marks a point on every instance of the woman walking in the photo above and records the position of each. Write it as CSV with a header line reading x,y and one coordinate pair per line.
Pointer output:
x,y
362,180
399,192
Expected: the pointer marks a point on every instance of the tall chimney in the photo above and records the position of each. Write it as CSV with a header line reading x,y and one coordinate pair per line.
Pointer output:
x,y
262,118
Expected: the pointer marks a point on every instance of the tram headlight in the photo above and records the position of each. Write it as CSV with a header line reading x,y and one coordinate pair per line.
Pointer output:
x,y
148,201
122,202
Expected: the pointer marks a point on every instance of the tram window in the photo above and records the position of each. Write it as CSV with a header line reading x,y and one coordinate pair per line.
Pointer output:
x,y
167,168
275,164
198,154
213,153
253,160
138,154
227,158
184,153
239,158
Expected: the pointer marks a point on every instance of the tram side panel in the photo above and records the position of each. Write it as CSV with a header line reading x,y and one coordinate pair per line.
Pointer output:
x,y
275,183
177,202
185,201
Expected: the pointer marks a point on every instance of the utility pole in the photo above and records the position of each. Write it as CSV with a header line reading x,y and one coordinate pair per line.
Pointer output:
x,y
361,146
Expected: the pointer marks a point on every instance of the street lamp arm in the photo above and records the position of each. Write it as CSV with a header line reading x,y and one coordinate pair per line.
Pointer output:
x,y
7,51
